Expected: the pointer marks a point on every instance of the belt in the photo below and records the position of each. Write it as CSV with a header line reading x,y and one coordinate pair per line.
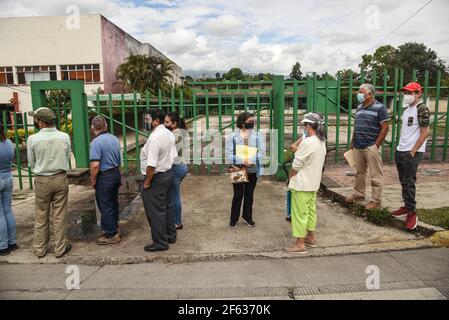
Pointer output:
x,y
109,170
52,175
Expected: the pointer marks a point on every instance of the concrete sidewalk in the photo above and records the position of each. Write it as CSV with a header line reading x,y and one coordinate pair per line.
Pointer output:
x,y
206,236
406,275
431,189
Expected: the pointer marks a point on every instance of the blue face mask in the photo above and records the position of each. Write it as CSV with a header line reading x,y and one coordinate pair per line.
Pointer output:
x,y
360,97
305,134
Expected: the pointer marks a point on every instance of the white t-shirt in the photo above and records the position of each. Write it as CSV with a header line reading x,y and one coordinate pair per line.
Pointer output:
x,y
410,130
159,151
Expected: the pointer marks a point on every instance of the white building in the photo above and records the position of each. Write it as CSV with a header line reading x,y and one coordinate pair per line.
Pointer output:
x,y
47,48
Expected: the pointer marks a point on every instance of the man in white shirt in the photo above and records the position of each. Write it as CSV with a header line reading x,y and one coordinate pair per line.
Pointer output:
x,y
411,148
156,162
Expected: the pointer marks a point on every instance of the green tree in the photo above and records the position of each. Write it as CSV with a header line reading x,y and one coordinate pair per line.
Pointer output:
x,y
143,72
408,56
234,74
296,73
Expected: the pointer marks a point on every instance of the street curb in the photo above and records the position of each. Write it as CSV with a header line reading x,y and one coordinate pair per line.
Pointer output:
x,y
28,256
441,239
399,223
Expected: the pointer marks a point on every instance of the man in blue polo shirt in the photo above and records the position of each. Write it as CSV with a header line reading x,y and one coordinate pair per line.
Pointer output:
x,y
370,130
105,159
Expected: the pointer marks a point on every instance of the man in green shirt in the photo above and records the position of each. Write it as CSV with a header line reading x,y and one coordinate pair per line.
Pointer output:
x,y
48,157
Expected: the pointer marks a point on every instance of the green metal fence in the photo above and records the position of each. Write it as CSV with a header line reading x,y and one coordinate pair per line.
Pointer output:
x,y
214,106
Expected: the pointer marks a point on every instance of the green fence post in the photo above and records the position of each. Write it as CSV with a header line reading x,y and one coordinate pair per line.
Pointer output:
x,y
159,99
446,131
136,128
207,132
147,100
436,116
385,88
426,86
393,124
400,109
295,109
315,93
195,133
258,110
220,128
172,95
350,109
233,112
337,135
18,153
326,105
279,108
125,146
25,121
181,104
414,75
111,117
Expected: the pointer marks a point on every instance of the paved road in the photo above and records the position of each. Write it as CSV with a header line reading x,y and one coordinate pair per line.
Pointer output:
x,y
414,274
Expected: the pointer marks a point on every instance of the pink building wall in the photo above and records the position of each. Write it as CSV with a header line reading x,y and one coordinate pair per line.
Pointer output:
x,y
114,53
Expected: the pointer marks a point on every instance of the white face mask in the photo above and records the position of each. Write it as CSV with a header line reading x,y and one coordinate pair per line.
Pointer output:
x,y
408,99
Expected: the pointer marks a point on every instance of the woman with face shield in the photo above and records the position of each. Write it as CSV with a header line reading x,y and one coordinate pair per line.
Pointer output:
x,y
305,180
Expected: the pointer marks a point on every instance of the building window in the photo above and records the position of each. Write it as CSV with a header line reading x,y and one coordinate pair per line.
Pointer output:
x,y
6,75
36,73
89,73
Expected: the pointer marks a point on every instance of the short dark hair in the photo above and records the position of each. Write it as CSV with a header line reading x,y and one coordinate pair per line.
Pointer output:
x,y
242,118
2,132
180,122
157,114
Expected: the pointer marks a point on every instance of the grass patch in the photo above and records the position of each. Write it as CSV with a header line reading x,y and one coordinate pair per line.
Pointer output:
x,y
436,217
380,216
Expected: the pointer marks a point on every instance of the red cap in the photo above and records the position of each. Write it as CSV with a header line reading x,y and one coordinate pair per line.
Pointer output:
x,y
412,87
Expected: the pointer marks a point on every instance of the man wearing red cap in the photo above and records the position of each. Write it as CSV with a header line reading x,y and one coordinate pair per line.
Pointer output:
x,y
411,148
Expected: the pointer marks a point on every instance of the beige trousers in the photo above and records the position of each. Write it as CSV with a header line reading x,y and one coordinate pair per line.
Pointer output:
x,y
369,158
51,193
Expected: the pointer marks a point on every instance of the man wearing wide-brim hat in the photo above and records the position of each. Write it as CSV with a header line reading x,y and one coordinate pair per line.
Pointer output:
x,y
49,157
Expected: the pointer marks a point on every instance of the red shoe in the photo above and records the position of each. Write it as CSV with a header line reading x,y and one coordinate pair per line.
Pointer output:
x,y
412,221
402,212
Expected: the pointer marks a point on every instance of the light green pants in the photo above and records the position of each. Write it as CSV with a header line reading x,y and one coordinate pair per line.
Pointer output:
x,y
304,217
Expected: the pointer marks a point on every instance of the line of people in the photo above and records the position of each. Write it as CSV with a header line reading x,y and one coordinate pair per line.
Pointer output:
x,y
164,168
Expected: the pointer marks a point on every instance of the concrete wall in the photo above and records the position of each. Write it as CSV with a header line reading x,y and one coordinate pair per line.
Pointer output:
x,y
36,41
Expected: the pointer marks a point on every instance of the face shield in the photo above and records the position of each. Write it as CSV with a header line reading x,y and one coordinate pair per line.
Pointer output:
x,y
148,120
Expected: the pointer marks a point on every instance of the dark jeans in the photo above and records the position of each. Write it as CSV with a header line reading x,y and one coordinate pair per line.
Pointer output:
x,y
245,192
106,193
407,168
159,209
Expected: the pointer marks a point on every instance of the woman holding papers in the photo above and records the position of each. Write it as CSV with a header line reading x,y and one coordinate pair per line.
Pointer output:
x,y
305,181
245,149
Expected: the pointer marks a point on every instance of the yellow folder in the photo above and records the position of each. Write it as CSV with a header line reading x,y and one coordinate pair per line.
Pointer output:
x,y
245,152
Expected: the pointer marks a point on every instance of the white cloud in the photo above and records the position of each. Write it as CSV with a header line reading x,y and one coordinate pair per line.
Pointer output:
x,y
261,35
223,26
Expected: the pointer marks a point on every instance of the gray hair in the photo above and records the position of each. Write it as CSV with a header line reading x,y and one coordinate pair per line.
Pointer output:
x,y
99,123
316,121
369,87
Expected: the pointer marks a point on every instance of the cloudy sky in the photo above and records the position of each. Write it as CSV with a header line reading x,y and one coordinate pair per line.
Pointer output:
x,y
263,35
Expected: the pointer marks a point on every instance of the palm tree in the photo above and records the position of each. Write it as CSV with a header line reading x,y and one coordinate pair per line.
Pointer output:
x,y
143,72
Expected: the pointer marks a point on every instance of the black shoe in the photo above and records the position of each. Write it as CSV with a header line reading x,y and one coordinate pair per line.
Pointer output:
x,y
152,248
251,223
289,219
233,225
179,227
5,252
13,247
67,249
172,241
